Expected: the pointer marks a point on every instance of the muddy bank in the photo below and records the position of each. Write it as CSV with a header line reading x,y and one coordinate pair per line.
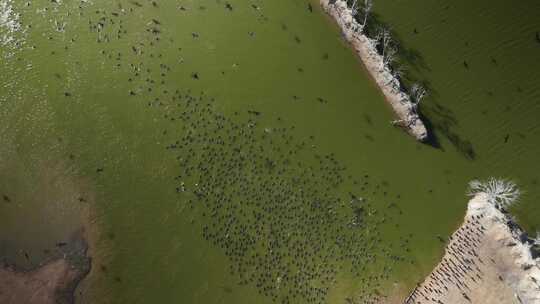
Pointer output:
x,y
390,86
488,260
54,281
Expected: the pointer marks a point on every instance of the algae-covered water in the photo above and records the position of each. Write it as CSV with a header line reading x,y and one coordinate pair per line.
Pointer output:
x,y
236,151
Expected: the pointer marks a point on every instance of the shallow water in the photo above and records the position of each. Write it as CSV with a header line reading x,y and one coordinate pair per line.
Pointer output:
x,y
109,99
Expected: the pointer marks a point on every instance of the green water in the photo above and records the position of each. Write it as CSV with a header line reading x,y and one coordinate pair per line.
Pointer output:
x,y
106,104
495,102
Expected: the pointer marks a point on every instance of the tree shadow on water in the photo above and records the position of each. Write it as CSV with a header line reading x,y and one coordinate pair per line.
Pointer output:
x,y
444,123
432,139
411,57
441,121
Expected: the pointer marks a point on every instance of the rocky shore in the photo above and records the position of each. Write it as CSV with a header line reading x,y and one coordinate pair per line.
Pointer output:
x,y
488,260
390,86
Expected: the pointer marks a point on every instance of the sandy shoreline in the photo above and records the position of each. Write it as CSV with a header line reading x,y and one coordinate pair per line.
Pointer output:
x,y
365,49
487,260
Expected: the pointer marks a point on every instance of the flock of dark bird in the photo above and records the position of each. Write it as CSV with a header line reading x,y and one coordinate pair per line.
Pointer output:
x,y
278,210
289,218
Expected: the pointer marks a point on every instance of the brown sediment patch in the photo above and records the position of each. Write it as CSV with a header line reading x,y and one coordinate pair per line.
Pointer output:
x,y
487,261
89,288
51,283
40,286
47,202
61,209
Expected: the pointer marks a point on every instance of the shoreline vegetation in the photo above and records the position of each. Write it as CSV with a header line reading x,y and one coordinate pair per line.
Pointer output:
x,y
488,259
378,54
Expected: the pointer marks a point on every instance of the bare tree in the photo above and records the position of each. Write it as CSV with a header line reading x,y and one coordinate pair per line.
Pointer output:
x,y
536,240
418,93
398,71
384,38
500,192
354,8
407,122
389,56
368,5
398,121
377,39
